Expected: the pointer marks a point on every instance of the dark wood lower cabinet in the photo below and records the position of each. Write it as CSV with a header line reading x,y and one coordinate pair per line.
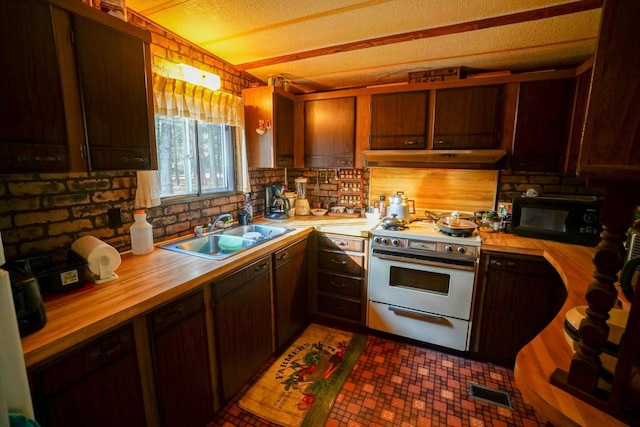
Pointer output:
x,y
97,385
181,362
516,297
242,316
290,291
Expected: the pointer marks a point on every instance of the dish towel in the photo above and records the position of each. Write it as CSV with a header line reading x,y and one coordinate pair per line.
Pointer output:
x,y
148,191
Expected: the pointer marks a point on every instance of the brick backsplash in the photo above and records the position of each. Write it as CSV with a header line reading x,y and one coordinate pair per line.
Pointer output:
x,y
513,184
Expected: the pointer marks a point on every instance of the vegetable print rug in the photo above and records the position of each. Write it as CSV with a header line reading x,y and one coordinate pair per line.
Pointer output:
x,y
301,386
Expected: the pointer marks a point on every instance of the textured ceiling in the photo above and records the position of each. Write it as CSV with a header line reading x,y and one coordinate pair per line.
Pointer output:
x,y
254,35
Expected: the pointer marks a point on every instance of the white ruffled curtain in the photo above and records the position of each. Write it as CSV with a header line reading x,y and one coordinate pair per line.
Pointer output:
x,y
174,97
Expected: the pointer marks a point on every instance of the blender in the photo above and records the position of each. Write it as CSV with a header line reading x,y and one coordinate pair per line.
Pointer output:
x,y
302,204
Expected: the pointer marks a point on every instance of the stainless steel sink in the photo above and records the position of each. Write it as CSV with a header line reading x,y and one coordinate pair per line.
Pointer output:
x,y
224,243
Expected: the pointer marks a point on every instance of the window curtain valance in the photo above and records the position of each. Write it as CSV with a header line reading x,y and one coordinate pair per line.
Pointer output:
x,y
174,97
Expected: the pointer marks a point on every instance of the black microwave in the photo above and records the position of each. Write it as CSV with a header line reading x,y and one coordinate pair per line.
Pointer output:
x,y
570,219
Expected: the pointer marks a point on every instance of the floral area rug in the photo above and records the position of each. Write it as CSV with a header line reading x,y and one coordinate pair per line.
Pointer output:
x,y
300,387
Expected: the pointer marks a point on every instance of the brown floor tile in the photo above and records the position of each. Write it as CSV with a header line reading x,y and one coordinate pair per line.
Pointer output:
x,y
398,384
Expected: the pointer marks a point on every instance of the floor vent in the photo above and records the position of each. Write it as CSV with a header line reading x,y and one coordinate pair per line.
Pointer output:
x,y
489,395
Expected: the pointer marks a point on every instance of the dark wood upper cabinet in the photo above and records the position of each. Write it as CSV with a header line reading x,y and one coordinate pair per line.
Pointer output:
x,y
118,118
610,143
399,121
542,125
33,132
73,79
330,132
467,118
274,148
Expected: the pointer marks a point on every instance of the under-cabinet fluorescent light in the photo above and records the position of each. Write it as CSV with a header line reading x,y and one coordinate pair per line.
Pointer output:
x,y
199,77
186,73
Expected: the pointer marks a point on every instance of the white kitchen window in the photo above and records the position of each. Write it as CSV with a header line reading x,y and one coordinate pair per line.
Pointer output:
x,y
194,157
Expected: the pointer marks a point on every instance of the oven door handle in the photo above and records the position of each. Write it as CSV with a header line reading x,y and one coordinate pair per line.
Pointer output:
x,y
419,315
408,260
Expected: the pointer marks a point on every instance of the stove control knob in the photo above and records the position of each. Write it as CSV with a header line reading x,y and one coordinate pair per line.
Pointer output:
x,y
462,249
395,242
448,248
377,239
385,241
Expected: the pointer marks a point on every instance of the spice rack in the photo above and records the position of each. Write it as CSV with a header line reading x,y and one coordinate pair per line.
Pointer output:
x,y
350,187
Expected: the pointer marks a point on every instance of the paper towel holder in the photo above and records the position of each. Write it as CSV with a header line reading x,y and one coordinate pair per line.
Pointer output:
x,y
106,274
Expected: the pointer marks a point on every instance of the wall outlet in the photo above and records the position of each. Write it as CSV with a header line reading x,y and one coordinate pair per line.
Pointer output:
x,y
115,217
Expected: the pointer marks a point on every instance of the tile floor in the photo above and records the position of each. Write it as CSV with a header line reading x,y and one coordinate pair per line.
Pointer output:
x,y
396,384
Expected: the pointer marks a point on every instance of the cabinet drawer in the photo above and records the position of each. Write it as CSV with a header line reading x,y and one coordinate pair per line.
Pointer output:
x,y
341,263
520,265
284,255
410,142
346,286
175,312
342,243
340,307
100,353
240,278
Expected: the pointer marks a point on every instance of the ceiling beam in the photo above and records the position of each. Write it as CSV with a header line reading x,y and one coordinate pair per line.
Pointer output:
x,y
514,18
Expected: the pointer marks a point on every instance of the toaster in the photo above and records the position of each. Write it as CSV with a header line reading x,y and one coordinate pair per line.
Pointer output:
x,y
28,302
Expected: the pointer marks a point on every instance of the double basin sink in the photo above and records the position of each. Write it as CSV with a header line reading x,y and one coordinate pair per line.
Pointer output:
x,y
221,244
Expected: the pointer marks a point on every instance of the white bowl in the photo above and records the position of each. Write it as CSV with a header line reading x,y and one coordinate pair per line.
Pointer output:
x,y
337,209
318,212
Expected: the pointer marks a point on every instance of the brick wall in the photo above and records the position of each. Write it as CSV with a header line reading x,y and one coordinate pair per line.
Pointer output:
x,y
45,212
513,184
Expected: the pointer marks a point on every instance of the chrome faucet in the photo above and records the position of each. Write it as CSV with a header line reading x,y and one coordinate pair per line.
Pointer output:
x,y
221,221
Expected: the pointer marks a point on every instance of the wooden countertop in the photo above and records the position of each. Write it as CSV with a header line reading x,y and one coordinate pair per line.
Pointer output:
x,y
148,281
549,350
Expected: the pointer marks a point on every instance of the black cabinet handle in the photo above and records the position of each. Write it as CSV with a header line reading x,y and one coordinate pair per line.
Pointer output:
x,y
339,242
444,142
99,354
261,266
411,142
283,256
341,262
338,285
177,311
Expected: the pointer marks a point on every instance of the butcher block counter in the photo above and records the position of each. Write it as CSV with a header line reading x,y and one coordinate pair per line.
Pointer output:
x,y
148,281
549,350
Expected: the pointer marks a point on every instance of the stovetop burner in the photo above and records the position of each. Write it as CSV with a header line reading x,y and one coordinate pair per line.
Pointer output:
x,y
457,234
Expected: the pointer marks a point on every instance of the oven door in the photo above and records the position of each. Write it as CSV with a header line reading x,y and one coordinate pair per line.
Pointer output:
x,y
442,290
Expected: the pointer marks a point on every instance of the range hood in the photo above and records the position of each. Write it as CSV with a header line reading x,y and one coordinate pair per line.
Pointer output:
x,y
448,159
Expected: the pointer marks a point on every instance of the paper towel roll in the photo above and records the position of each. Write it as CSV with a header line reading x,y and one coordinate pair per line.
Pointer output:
x,y
103,258
13,373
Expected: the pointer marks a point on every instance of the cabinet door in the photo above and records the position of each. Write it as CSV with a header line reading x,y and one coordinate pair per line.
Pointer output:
x,y
330,132
33,134
113,80
283,130
98,385
399,121
242,312
519,296
290,290
467,118
181,362
610,147
542,125
274,148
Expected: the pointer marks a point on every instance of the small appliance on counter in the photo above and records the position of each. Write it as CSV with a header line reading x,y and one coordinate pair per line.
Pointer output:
x,y
56,272
29,306
570,219
302,204
277,204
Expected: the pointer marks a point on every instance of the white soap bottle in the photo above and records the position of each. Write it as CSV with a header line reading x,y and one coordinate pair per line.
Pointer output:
x,y
141,234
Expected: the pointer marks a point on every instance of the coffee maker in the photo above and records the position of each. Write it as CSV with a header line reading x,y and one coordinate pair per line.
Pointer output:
x,y
277,204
